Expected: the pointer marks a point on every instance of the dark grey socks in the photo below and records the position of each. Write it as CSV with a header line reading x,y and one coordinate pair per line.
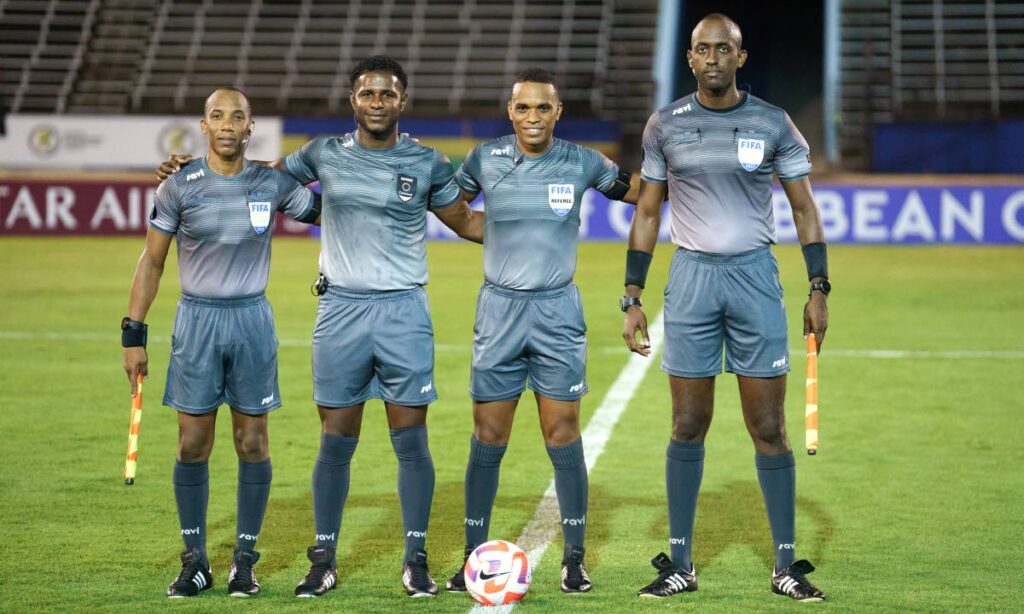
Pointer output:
x,y
253,492
191,493
415,484
481,488
684,468
571,488
777,475
330,486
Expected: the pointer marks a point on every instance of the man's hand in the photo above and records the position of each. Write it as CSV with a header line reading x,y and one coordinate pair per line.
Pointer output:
x,y
816,317
136,362
170,166
636,321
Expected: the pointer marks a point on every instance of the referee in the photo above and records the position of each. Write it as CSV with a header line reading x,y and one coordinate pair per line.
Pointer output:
x,y
714,153
221,209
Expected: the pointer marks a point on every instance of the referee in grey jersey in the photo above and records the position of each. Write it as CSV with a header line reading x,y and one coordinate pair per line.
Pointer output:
x,y
714,153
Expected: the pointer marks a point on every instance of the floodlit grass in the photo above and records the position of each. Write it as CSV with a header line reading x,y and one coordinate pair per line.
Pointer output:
x,y
913,503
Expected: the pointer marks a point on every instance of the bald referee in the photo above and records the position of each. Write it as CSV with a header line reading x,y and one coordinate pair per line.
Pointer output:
x,y
221,210
714,153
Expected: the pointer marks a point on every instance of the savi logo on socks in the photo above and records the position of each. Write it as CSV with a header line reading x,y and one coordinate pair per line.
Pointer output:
x,y
787,546
248,537
194,531
326,538
677,541
422,534
474,522
575,522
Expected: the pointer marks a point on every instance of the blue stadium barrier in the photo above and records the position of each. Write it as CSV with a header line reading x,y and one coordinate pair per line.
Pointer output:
x,y
936,147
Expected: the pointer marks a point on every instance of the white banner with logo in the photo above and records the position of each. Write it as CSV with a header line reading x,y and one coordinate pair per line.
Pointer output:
x,y
117,141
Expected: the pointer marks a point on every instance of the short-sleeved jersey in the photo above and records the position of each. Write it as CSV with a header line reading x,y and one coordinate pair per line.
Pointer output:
x,y
532,208
223,224
719,165
374,219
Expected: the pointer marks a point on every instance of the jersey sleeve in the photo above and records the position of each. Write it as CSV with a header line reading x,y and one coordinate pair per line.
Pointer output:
x,y
444,191
792,155
166,214
302,164
294,199
468,175
598,169
653,169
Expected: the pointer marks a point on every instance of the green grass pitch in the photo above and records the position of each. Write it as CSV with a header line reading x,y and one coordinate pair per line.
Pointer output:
x,y
914,502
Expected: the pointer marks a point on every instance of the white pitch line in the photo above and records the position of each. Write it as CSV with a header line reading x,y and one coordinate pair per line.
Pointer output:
x,y
544,525
829,352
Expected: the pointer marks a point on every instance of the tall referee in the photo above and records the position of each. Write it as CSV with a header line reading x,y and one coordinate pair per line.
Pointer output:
x,y
714,153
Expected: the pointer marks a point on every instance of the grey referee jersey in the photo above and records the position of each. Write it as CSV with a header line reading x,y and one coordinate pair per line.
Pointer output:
x,y
375,201
719,164
223,224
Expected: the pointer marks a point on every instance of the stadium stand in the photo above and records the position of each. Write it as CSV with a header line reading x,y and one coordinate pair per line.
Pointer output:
x,y
918,60
293,57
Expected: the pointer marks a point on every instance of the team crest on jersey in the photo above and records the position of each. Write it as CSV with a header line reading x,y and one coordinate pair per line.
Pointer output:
x,y
259,215
406,187
561,197
750,153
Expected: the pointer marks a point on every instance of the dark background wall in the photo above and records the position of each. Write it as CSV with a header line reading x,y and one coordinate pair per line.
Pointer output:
x,y
785,43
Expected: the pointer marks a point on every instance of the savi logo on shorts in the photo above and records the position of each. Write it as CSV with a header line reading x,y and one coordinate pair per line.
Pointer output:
x,y
578,387
267,400
406,187
259,215
561,197
427,388
779,363
750,153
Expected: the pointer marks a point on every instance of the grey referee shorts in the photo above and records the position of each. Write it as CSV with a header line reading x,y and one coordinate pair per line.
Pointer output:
x,y
223,351
535,334
373,345
733,300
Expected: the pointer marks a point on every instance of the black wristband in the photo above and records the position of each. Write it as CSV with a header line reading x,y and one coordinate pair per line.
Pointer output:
x,y
637,264
134,333
816,259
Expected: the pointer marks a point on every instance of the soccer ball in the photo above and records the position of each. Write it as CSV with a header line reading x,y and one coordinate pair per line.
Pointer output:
x,y
497,573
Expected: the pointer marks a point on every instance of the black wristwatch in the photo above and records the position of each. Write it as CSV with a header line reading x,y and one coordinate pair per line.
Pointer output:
x,y
628,301
133,333
821,286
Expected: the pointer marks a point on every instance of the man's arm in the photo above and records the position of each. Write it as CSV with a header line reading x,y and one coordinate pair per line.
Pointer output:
x,y
174,163
460,217
643,235
144,288
812,239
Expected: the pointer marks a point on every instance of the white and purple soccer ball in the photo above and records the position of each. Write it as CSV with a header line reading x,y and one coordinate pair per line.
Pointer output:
x,y
497,573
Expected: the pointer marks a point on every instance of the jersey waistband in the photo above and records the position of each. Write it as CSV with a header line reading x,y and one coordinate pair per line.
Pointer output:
x,y
231,301
740,258
528,295
372,295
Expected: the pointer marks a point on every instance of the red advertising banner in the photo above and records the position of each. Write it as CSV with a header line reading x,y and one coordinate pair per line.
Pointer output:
x,y
78,206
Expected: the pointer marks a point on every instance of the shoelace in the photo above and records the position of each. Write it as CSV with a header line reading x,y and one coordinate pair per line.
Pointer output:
x,y
244,573
574,571
188,571
419,575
